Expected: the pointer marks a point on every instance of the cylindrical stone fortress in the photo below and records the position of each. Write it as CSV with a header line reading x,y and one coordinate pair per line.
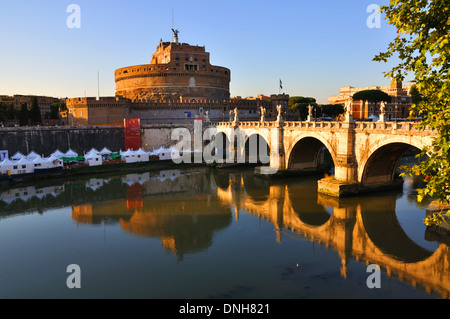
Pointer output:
x,y
177,71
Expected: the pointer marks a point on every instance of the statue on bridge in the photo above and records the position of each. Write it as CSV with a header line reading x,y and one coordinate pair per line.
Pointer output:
x,y
279,109
348,108
382,111
236,118
263,113
310,117
207,116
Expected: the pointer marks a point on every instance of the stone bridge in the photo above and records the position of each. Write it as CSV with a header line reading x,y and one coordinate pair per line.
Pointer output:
x,y
365,154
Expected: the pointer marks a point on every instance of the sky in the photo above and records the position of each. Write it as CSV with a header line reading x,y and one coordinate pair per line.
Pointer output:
x,y
313,47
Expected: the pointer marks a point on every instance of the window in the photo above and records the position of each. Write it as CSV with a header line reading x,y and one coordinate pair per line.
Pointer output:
x,y
191,67
15,167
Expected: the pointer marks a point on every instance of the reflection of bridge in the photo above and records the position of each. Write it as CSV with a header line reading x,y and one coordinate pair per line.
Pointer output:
x,y
368,232
365,154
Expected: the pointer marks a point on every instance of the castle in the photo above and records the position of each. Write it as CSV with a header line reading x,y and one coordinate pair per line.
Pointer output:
x,y
178,86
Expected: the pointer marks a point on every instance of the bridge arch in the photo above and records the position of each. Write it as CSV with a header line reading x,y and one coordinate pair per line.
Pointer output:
x,y
379,164
304,152
256,149
221,144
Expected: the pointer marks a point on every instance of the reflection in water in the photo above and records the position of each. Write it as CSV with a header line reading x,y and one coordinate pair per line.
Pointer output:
x,y
185,209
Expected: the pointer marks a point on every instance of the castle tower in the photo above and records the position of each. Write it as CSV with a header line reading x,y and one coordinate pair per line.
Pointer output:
x,y
177,71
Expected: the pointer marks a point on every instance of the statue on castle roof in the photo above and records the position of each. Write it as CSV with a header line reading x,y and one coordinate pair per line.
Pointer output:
x,y
175,35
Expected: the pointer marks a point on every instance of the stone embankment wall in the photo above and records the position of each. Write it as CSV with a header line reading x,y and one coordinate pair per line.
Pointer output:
x,y
45,140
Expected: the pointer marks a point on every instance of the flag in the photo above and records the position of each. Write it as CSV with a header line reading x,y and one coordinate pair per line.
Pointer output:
x,y
281,84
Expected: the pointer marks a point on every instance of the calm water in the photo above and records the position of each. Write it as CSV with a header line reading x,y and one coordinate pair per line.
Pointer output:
x,y
203,233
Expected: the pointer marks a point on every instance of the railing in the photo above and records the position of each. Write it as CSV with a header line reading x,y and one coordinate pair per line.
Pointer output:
x,y
359,125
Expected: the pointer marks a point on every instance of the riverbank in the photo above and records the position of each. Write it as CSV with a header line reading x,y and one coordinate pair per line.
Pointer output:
x,y
101,170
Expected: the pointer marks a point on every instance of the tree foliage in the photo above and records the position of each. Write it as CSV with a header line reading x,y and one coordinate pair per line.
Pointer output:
x,y
301,104
35,112
23,115
372,96
423,50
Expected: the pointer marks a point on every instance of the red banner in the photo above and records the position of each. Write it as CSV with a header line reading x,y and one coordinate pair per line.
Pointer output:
x,y
132,129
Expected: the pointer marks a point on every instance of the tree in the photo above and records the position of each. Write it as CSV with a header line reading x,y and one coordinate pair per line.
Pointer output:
x,y
35,112
3,111
301,104
373,96
23,115
54,110
423,49
331,110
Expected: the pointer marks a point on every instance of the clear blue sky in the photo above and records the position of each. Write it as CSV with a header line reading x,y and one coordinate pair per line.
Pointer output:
x,y
314,47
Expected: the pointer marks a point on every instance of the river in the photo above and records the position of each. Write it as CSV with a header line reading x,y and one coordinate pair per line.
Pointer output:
x,y
211,233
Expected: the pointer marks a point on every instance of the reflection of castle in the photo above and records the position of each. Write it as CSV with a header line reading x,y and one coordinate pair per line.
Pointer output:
x,y
161,206
178,85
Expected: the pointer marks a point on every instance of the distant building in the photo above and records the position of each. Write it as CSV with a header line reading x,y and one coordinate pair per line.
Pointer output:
x,y
44,102
177,87
90,110
112,110
398,108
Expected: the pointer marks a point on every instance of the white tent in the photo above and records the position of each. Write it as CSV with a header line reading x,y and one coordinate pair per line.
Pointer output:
x,y
129,156
141,155
105,151
373,117
93,150
6,165
70,153
39,162
53,161
163,153
32,155
93,158
57,154
24,166
17,156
